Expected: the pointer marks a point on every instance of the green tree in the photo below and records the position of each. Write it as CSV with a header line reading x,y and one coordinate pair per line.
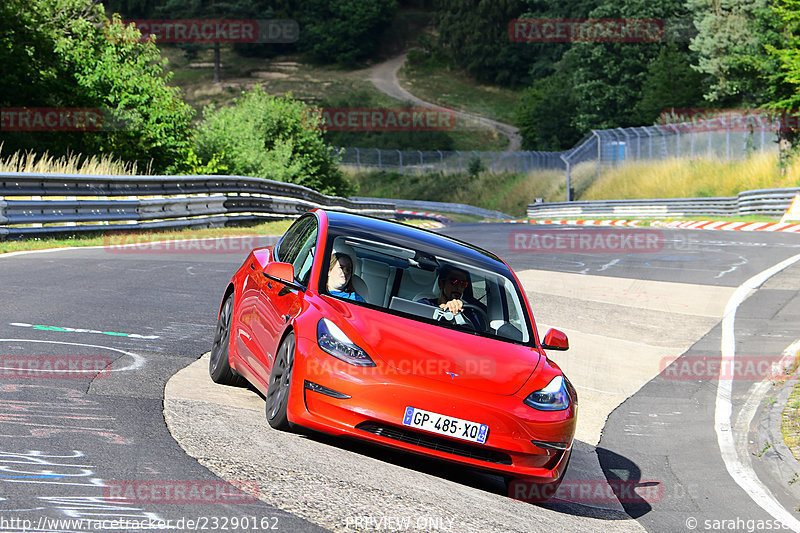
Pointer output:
x,y
114,70
545,115
67,54
783,82
271,137
731,49
671,82
607,77
343,31
473,34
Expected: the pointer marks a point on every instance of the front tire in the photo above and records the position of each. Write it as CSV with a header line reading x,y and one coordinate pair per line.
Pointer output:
x,y
280,380
219,364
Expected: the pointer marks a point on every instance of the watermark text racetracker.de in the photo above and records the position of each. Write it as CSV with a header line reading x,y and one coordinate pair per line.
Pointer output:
x,y
218,30
130,243
589,491
201,492
388,119
54,366
553,30
586,241
63,119
741,368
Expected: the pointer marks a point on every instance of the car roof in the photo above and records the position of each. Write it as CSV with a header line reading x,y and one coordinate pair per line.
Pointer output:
x,y
367,227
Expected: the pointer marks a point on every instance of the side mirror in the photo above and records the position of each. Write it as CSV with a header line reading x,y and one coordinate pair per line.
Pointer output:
x,y
555,340
282,273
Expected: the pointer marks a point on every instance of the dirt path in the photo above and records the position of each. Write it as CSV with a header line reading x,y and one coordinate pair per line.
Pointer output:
x,y
384,77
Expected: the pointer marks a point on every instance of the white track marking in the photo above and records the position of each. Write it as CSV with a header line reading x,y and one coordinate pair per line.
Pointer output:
x,y
138,360
744,476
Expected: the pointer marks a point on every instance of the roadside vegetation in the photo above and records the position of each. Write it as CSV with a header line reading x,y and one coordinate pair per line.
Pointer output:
x,y
790,423
689,178
512,192
112,238
69,164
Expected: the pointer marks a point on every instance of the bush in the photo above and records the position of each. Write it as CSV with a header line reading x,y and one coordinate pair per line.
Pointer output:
x,y
271,137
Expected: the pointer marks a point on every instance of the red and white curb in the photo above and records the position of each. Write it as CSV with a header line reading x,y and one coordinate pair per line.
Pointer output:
x,y
686,224
421,214
579,222
730,226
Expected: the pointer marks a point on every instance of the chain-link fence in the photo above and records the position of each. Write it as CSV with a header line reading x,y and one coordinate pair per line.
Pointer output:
x,y
726,138
448,161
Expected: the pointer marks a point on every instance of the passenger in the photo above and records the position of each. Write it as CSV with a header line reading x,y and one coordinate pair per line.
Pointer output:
x,y
452,284
340,277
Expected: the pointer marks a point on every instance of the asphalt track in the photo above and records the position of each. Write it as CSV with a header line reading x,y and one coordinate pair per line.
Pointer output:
x,y
68,442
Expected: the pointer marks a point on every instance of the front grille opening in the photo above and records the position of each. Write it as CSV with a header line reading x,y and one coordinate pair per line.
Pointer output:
x,y
433,442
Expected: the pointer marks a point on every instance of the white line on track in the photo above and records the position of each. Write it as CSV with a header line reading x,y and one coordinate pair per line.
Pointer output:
x,y
744,476
138,360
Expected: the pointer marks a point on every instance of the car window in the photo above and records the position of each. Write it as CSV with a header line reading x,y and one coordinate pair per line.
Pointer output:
x,y
297,247
405,281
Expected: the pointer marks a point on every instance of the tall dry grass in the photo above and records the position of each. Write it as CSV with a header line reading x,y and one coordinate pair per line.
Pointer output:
x,y
689,178
70,164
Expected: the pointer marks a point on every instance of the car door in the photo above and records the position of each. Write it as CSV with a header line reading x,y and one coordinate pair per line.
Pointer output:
x,y
277,303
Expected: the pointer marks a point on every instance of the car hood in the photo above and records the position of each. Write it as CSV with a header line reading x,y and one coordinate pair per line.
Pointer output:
x,y
443,354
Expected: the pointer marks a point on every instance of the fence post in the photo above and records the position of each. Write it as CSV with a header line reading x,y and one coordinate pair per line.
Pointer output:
x,y
400,154
441,159
728,142
358,159
599,155
380,163
569,185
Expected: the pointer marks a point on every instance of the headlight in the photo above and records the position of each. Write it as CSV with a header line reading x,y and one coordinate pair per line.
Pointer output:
x,y
554,397
333,341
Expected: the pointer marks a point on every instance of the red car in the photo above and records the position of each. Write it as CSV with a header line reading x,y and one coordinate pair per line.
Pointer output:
x,y
368,328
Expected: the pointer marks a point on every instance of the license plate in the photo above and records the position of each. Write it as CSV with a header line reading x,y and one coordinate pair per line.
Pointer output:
x,y
446,425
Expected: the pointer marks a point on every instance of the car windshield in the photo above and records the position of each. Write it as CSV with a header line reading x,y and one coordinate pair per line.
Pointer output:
x,y
419,284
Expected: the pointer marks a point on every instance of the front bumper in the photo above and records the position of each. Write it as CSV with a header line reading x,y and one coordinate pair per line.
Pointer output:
x,y
369,403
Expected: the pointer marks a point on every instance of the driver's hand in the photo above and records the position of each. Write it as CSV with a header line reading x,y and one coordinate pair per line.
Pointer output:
x,y
454,306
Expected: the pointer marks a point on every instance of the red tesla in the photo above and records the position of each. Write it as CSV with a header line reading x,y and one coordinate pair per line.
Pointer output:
x,y
368,328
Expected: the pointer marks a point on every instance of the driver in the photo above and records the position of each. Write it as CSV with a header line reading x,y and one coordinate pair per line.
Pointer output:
x,y
452,284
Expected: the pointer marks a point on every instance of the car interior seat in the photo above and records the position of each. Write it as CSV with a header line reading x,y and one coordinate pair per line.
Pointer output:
x,y
358,283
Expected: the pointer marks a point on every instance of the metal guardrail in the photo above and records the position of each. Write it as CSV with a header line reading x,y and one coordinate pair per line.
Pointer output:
x,y
421,205
765,202
119,203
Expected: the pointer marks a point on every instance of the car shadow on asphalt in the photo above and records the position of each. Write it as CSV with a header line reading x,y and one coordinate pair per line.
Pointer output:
x,y
595,506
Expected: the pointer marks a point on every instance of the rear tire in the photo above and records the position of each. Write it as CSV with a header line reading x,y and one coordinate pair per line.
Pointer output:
x,y
219,364
280,380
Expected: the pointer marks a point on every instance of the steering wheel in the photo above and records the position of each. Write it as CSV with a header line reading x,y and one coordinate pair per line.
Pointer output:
x,y
483,318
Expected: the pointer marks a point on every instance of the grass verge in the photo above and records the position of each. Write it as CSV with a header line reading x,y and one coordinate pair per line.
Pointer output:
x,y
107,239
689,178
790,422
